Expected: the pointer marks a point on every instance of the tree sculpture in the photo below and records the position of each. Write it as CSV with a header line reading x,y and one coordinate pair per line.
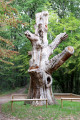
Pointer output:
x,y
41,67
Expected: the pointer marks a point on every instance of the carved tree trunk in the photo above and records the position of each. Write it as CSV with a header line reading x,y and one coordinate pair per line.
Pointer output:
x,y
41,67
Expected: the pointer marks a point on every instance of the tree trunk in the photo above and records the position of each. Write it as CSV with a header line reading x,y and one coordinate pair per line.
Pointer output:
x,y
41,67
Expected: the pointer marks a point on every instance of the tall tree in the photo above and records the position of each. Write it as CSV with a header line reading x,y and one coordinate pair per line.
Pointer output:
x,y
9,19
41,67
65,7
11,69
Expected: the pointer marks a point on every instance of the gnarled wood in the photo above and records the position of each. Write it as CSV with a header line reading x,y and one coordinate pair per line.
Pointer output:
x,y
59,38
59,59
29,53
41,67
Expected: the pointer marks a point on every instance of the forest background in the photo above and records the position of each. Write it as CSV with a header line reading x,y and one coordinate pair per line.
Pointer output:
x,y
17,16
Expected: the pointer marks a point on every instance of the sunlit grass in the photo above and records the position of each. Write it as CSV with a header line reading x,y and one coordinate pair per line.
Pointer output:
x,y
52,112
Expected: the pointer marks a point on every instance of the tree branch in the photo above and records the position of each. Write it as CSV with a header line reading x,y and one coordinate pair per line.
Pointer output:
x,y
59,59
30,53
59,38
30,36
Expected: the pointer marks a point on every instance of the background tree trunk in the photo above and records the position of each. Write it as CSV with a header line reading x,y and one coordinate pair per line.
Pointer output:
x,y
41,67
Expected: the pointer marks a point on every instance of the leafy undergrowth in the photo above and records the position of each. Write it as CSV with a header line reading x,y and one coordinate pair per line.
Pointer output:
x,y
9,91
70,111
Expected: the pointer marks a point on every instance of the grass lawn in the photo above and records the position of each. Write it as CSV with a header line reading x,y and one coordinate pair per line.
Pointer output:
x,y
70,111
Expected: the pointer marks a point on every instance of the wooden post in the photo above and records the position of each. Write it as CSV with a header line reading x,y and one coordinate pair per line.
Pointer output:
x,y
12,104
46,103
61,103
12,97
71,97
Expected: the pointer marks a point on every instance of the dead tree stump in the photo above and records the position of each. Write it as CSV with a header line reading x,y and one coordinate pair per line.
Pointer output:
x,y
41,67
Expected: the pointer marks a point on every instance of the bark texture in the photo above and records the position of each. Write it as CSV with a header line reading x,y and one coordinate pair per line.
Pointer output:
x,y
41,67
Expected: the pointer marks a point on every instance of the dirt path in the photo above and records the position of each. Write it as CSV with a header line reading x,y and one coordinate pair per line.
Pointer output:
x,y
5,99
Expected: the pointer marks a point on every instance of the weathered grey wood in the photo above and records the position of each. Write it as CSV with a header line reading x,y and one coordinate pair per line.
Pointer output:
x,y
41,67
54,63
66,94
16,100
62,94
59,38
28,99
29,53
18,95
76,95
70,98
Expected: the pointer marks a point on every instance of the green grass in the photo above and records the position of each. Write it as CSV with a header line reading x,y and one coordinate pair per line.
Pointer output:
x,y
52,112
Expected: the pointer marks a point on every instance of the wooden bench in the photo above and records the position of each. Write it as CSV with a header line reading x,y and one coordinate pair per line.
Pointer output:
x,y
15,100
68,99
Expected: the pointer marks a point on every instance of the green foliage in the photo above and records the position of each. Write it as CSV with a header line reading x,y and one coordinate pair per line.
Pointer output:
x,y
66,78
17,17
12,28
4,92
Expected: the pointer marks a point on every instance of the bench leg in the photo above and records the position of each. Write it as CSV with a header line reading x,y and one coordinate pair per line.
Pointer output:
x,y
71,100
61,103
11,105
46,103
